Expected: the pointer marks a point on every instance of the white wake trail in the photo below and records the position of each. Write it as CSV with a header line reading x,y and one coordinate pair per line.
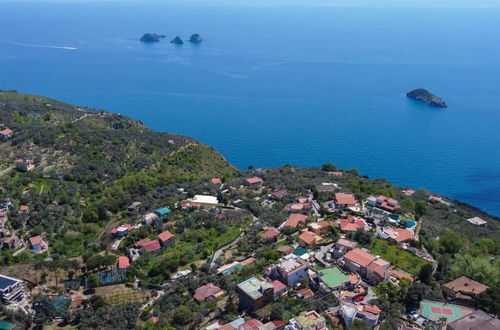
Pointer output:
x,y
38,46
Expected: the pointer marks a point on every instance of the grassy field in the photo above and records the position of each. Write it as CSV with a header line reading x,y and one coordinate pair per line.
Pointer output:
x,y
397,256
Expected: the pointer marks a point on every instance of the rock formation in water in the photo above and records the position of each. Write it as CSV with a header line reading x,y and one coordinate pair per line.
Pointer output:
x,y
427,97
195,38
177,40
151,37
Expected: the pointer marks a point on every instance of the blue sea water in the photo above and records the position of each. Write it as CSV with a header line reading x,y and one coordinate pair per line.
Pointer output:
x,y
275,82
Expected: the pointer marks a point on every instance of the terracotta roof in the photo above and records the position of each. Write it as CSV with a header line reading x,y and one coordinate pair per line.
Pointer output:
x,y
343,198
123,262
247,261
359,257
335,173
24,208
216,181
252,324
400,275
294,219
352,224
165,236
154,319
373,267
278,286
346,242
374,309
308,237
206,291
408,192
36,240
465,285
403,235
306,292
278,193
270,233
149,245
285,249
6,132
254,180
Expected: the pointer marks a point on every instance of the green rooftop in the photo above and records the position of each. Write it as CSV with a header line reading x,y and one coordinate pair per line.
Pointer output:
x,y
254,287
333,277
162,211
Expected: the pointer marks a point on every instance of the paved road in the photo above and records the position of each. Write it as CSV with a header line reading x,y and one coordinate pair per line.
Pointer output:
x,y
222,249
6,170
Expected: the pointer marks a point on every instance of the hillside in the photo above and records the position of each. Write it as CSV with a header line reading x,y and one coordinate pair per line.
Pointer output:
x,y
89,165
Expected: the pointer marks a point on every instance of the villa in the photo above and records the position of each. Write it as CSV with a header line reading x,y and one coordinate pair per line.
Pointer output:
x,y
308,320
207,292
253,181
383,203
342,246
351,225
11,289
344,200
6,133
167,239
254,294
294,220
463,290
290,269
37,244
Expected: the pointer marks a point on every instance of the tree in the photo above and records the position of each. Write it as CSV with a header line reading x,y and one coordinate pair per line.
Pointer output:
x,y
277,310
425,274
182,316
489,301
329,167
451,242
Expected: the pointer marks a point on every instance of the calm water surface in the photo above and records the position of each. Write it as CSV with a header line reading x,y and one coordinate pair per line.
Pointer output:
x,y
278,82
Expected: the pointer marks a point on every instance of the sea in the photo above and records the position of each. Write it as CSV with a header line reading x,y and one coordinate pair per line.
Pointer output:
x,y
279,82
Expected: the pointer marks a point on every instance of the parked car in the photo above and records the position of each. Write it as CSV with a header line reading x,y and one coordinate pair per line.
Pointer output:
x,y
359,298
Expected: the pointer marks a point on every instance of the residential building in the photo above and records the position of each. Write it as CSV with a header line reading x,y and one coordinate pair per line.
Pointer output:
x,y
294,220
463,290
335,173
332,278
270,235
167,239
280,289
123,262
253,181
121,230
11,289
358,260
369,314
207,292
378,271
342,246
278,194
408,192
399,235
478,320
134,208
6,133
254,294
148,245
326,188
12,242
384,203
307,321
435,199
344,200
149,218
204,200
308,238
216,181
290,269
25,165
351,225
320,227
477,221
37,244
162,212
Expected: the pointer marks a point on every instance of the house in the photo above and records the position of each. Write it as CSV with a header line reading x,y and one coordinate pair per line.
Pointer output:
x,y
351,225
37,244
383,203
216,181
207,292
408,192
294,207
252,324
270,235
24,209
336,173
294,220
12,243
134,208
369,314
378,271
290,269
320,227
167,239
308,321
205,200
477,221
5,134
285,249
308,238
344,200
463,290
122,230
305,293
326,188
435,199
254,294
399,235
11,289
148,245
4,232
123,262
149,218
162,212
253,181
280,289
25,165
278,194
342,246
358,260
478,320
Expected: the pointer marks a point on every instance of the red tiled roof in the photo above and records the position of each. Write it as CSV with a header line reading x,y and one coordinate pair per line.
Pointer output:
x,y
285,249
278,193
306,292
401,275
359,257
154,319
206,291
216,181
24,208
308,237
123,262
165,236
36,240
149,245
254,180
6,132
374,309
335,173
403,235
252,324
278,286
351,224
465,285
294,219
408,192
345,199
373,267
270,233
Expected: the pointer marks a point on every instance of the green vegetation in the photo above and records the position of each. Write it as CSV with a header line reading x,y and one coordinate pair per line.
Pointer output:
x,y
396,256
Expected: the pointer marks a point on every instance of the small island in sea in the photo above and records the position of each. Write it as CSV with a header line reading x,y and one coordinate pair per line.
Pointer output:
x,y
177,40
152,37
195,38
427,97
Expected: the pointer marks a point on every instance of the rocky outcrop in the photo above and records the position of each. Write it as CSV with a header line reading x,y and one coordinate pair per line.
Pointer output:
x,y
177,40
152,37
427,97
195,38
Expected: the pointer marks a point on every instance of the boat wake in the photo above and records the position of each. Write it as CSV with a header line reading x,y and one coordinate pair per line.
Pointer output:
x,y
37,46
